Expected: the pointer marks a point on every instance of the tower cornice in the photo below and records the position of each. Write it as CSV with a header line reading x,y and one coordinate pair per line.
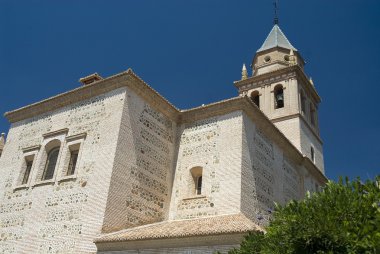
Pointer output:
x,y
277,76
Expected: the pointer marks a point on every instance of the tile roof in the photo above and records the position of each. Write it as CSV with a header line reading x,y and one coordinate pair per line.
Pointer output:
x,y
224,224
276,38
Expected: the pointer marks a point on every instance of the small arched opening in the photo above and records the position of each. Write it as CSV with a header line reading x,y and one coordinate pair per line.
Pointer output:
x,y
196,173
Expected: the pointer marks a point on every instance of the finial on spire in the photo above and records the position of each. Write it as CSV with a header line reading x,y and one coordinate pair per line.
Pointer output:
x,y
292,58
275,3
244,73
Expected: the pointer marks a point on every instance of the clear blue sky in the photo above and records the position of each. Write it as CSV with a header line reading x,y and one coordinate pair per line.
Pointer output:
x,y
192,51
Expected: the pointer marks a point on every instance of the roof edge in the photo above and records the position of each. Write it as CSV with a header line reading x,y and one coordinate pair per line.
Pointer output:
x,y
89,91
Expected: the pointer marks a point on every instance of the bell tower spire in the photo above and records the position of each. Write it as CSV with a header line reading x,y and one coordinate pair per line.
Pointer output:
x,y
280,87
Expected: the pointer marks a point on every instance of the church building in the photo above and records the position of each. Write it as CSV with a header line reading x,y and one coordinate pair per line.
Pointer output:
x,y
113,167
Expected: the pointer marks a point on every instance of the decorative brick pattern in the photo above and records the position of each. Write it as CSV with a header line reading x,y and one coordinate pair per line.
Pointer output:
x,y
52,217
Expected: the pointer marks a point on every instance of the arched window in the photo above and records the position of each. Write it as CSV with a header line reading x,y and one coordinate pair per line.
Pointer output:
x,y
196,173
278,97
51,162
255,97
303,103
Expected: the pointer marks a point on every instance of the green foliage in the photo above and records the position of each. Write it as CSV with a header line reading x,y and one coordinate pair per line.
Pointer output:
x,y
343,218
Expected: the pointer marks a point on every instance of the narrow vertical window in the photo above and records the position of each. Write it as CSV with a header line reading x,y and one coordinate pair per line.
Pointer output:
x,y
312,115
278,97
312,154
28,168
196,174
255,97
72,162
303,103
198,186
51,162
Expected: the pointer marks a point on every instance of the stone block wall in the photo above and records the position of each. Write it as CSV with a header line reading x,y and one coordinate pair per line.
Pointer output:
x,y
64,214
268,176
291,129
308,139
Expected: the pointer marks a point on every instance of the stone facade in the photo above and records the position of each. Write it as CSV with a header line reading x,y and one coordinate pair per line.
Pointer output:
x,y
57,215
149,178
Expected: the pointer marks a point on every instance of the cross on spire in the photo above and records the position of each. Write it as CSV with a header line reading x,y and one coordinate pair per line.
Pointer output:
x,y
275,3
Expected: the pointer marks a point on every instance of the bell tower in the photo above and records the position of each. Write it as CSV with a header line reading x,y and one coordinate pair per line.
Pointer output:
x,y
280,87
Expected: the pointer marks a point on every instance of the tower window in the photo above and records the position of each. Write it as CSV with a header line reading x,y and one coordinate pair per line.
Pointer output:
x,y
25,178
267,59
312,154
255,97
279,97
303,103
312,115
72,162
51,162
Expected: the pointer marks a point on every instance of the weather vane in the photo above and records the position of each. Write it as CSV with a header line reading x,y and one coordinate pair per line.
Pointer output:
x,y
275,3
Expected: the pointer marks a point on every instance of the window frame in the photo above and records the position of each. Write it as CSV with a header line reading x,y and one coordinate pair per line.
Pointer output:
x,y
47,168
29,154
73,161
28,170
196,174
51,140
72,143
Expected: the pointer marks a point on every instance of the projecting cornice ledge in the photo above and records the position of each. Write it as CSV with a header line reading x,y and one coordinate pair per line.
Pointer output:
x,y
277,76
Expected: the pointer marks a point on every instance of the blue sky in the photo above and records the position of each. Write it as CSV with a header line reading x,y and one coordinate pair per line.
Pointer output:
x,y
192,51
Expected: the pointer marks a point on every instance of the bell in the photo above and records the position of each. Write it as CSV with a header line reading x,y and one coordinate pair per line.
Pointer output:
x,y
280,100
280,97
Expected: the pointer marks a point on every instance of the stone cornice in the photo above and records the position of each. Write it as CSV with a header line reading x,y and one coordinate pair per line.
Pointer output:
x,y
277,76
124,79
